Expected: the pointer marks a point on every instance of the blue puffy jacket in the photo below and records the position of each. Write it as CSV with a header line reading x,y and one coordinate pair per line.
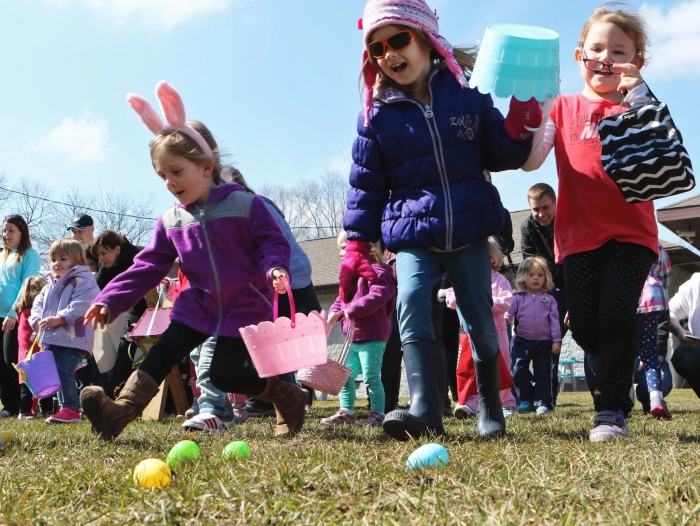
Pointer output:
x,y
419,171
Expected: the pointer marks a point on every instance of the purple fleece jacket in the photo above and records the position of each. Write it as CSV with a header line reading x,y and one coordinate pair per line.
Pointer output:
x,y
372,306
226,249
538,318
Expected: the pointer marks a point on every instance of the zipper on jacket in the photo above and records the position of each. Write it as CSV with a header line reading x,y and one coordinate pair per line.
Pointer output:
x,y
439,159
213,266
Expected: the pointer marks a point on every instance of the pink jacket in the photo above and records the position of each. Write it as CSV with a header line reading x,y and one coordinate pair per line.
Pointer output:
x,y
501,294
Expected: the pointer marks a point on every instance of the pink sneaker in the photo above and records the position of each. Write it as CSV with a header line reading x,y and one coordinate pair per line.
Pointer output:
x,y
343,416
374,419
659,409
65,416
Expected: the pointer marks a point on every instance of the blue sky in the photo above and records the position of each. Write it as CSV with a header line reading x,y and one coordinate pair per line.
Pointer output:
x,y
275,80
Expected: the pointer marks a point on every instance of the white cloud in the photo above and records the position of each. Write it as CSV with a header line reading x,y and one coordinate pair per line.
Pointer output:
x,y
675,36
82,140
340,163
156,14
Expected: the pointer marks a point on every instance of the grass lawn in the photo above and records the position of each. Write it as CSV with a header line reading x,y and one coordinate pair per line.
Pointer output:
x,y
545,472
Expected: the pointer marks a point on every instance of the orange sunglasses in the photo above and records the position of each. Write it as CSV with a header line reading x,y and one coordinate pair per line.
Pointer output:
x,y
395,42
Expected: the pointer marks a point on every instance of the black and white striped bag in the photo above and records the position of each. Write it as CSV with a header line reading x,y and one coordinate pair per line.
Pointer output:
x,y
643,153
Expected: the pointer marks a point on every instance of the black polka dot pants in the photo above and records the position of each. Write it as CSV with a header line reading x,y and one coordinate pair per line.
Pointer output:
x,y
602,290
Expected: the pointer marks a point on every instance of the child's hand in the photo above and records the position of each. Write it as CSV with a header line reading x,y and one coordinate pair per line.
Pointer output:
x,y
523,118
566,319
8,323
165,284
49,322
556,348
98,314
630,77
277,283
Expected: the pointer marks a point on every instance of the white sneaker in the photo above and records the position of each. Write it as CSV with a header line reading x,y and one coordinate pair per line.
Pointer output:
x,y
5,414
208,422
464,411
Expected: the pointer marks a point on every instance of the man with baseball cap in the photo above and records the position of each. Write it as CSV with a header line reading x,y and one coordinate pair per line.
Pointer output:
x,y
83,229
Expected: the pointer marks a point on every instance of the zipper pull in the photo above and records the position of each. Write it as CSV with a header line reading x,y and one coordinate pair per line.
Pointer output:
x,y
428,112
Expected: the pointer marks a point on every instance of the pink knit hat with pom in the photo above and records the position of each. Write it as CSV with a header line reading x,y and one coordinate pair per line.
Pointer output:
x,y
409,13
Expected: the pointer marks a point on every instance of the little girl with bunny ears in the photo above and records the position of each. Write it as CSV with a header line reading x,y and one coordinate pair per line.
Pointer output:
x,y
233,253
417,180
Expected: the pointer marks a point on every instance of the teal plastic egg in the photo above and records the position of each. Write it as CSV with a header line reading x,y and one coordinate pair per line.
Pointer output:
x,y
428,456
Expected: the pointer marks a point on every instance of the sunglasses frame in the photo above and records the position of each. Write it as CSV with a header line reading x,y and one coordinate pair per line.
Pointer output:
x,y
385,43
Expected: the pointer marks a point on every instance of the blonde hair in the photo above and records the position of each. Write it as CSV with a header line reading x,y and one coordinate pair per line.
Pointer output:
x,y
182,145
465,57
632,24
30,289
376,248
524,270
69,247
496,252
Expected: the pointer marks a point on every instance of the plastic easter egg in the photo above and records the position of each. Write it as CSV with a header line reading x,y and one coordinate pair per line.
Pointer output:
x,y
238,450
185,451
152,473
5,437
427,456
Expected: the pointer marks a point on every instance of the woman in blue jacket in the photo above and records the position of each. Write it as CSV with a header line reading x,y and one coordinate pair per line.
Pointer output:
x,y
417,180
18,261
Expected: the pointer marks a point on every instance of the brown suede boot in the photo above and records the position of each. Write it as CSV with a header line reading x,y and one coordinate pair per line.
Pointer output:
x,y
290,405
110,417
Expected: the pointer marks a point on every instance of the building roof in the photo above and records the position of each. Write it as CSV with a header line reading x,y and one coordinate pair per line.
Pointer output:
x,y
325,262
683,219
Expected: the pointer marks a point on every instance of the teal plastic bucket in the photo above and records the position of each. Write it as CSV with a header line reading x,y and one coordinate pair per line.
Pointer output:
x,y
41,374
518,61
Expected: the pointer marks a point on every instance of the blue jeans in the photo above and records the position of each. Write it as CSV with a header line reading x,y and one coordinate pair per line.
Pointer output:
x,y
469,270
67,359
539,352
211,400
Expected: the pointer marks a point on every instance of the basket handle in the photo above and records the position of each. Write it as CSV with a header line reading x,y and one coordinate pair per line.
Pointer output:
x,y
345,351
29,357
348,336
161,297
275,303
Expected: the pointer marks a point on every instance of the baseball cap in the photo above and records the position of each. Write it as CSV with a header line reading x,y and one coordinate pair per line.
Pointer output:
x,y
80,221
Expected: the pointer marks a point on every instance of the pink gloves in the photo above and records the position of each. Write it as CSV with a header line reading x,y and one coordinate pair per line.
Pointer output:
x,y
355,264
523,118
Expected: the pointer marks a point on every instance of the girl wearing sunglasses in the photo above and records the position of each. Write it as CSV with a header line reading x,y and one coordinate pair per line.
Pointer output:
x,y
417,180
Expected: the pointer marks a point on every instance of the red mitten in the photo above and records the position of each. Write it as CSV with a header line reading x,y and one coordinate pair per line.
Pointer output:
x,y
523,118
355,264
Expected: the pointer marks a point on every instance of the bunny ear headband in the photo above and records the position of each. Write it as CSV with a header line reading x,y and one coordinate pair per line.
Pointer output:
x,y
173,111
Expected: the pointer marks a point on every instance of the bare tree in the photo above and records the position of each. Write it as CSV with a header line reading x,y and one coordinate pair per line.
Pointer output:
x,y
126,213
313,209
32,200
48,218
5,194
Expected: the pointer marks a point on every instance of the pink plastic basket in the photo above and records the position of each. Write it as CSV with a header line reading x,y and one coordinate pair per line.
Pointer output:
x,y
330,377
287,345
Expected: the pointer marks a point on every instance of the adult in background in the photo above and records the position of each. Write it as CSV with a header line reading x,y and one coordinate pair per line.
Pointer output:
x,y
686,305
537,239
303,291
116,254
18,261
83,229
